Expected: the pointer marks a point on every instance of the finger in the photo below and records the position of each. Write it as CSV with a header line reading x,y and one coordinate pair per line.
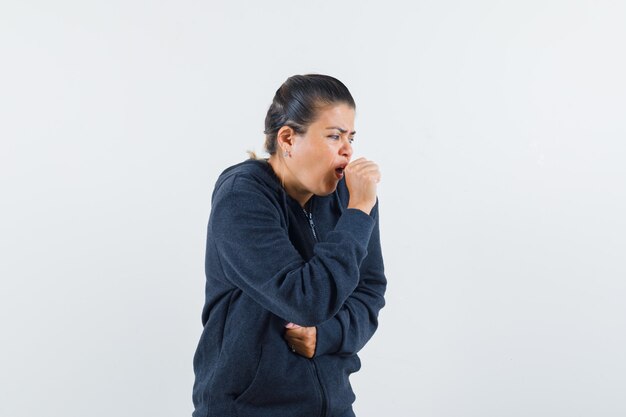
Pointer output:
x,y
369,169
360,161
364,168
368,166
357,162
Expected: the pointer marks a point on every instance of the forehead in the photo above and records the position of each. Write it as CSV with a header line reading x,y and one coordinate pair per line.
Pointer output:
x,y
340,115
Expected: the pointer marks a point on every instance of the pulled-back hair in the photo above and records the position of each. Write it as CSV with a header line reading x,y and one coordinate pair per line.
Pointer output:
x,y
297,102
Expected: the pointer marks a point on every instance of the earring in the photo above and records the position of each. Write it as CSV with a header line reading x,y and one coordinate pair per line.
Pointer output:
x,y
287,154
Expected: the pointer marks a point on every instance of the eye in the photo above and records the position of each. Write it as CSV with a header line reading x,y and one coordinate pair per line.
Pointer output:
x,y
338,137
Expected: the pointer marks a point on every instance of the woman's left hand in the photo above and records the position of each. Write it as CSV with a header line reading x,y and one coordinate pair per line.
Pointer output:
x,y
301,339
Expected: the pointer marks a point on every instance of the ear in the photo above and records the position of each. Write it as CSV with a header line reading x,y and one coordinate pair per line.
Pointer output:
x,y
285,138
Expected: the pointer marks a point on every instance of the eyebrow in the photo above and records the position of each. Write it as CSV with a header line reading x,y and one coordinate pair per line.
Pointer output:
x,y
341,130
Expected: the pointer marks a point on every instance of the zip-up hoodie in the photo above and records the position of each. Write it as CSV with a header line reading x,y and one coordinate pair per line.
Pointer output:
x,y
270,262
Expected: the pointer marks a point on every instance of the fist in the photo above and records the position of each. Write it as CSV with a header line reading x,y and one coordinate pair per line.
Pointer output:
x,y
362,177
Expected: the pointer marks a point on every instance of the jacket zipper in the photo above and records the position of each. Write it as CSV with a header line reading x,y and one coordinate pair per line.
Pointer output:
x,y
322,391
309,216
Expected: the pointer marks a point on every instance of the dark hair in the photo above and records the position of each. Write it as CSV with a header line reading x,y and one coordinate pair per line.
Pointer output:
x,y
297,102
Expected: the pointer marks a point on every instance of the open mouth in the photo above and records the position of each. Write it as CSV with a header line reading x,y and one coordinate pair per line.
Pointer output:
x,y
339,172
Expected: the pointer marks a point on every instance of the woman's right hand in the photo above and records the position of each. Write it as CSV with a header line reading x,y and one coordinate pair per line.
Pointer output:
x,y
362,177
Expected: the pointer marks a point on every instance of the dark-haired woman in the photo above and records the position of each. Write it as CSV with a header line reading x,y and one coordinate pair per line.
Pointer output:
x,y
294,270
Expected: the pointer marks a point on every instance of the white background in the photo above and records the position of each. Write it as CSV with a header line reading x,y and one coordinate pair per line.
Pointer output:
x,y
499,128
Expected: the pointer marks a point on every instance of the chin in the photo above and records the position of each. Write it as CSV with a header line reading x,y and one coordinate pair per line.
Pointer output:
x,y
326,187
327,190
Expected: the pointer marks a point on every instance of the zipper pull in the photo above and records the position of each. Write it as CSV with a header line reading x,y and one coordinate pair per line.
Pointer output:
x,y
309,217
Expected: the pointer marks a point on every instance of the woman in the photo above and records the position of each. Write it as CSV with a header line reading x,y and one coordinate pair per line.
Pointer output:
x,y
294,269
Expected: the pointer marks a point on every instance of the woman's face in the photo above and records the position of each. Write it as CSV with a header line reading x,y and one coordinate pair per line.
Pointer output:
x,y
319,156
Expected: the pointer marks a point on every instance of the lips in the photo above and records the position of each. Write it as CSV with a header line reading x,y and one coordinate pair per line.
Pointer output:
x,y
339,170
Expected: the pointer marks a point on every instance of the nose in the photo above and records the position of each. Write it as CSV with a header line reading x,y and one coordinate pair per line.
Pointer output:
x,y
346,149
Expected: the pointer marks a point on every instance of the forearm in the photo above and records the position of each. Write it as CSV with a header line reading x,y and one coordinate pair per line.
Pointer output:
x,y
353,326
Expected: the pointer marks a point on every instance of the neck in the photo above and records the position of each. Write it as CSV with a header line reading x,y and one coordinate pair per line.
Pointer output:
x,y
289,182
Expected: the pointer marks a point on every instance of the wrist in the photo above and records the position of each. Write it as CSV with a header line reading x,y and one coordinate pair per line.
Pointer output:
x,y
366,208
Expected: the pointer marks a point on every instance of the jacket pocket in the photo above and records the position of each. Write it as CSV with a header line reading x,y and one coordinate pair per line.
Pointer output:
x,y
252,391
283,386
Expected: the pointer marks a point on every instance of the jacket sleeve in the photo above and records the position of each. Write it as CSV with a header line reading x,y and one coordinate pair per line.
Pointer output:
x,y
355,323
256,255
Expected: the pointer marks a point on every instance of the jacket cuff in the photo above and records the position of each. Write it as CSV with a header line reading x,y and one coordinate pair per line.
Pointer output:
x,y
358,224
328,337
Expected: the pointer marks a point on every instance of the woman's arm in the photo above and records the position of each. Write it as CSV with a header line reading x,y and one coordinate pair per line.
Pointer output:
x,y
255,254
355,323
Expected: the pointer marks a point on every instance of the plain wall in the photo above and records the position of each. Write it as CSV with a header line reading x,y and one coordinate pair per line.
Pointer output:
x,y
499,128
